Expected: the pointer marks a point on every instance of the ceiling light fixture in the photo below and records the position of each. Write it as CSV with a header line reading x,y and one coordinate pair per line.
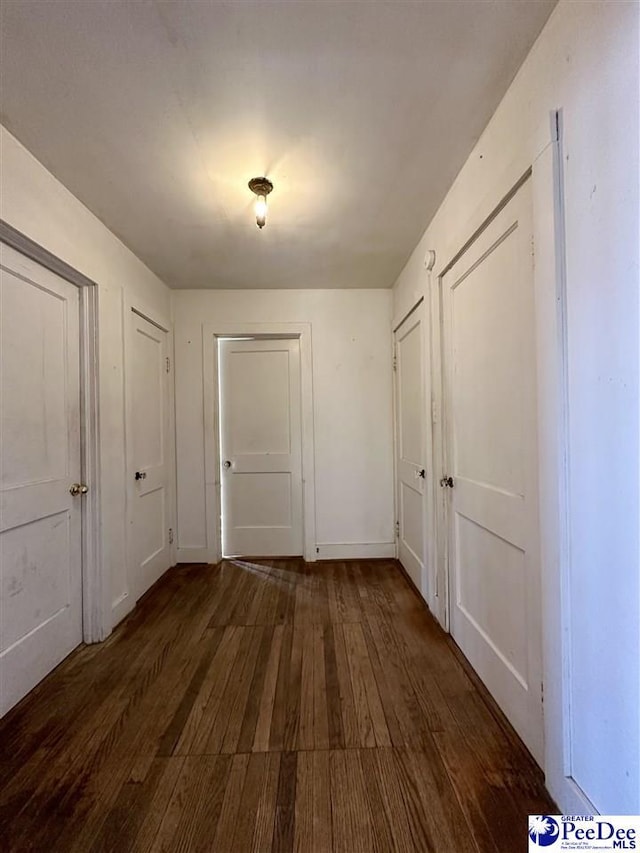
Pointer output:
x,y
261,187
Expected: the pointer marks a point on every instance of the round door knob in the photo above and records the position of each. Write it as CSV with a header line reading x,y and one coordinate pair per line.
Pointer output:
x,y
141,475
226,464
78,489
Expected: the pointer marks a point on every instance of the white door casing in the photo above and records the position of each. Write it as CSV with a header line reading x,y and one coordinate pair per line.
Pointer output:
x,y
40,459
149,453
260,447
489,377
410,449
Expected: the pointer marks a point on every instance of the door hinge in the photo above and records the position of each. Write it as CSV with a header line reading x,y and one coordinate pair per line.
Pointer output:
x,y
397,529
168,364
171,536
394,363
434,411
542,692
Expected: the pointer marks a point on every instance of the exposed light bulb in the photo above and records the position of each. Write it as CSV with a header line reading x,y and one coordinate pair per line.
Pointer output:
x,y
261,187
261,210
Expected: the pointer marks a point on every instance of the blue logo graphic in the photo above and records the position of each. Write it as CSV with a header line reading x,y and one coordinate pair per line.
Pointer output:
x,y
543,830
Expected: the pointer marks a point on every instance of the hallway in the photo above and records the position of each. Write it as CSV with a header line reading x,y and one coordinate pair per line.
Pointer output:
x,y
271,705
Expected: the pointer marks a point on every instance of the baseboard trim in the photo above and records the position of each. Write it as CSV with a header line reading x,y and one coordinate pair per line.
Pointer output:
x,y
121,607
569,796
324,551
195,555
355,550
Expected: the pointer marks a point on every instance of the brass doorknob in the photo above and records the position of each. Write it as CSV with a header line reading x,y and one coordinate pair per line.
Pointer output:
x,y
78,489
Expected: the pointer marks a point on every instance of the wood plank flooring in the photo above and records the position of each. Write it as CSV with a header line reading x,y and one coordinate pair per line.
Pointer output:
x,y
267,706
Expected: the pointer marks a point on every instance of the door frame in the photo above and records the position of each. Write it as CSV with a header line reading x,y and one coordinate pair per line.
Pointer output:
x,y
542,163
127,600
210,334
96,608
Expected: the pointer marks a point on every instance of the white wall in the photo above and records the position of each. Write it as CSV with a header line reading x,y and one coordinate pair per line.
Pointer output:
x,y
352,391
586,64
38,205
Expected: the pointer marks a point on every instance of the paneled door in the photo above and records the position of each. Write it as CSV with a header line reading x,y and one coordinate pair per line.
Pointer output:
x,y
149,454
40,474
260,447
410,454
492,461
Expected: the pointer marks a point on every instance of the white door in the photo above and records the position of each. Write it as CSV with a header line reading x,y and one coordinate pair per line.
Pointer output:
x,y
149,453
260,447
490,399
40,520
410,470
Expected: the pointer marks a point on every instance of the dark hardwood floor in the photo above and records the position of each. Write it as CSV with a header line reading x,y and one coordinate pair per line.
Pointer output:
x,y
267,705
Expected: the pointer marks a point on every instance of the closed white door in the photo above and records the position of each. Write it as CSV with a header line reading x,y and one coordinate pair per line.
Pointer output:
x,y
410,470
490,396
40,518
149,453
260,447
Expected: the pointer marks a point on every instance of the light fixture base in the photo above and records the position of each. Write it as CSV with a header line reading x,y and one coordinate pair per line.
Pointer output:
x,y
430,260
260,186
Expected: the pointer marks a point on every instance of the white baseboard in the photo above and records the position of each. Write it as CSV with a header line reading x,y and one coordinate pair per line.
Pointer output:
x,y
571,799
355,550
121,607
195,555
325,551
